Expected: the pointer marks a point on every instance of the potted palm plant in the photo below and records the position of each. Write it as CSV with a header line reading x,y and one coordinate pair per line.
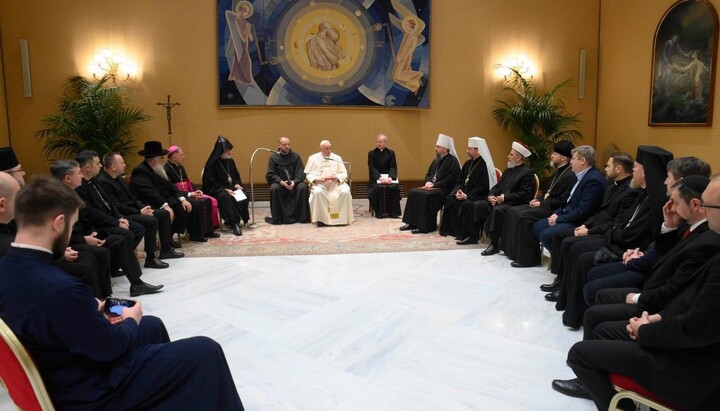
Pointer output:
x,y
537,118
92,116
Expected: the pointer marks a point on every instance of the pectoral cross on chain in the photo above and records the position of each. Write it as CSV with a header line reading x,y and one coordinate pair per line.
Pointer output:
x,y
168,107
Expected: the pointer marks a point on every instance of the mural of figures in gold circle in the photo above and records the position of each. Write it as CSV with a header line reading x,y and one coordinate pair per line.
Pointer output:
x,y
324,53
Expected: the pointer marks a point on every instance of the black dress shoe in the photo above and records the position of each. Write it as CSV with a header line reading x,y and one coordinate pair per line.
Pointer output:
x,y
175,244
574,388
553,296
490,250
213,235
269,220
553,286
199,239
519,265
166,255
443,234
144,288
467,241
237,230
155,262
406,227
417,231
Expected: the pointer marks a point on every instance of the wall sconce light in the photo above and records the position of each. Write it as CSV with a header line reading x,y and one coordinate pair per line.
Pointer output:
x,y
113,65
522,64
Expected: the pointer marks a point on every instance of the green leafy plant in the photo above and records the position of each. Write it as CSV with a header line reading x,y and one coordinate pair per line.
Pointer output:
x,y
92,116
537,118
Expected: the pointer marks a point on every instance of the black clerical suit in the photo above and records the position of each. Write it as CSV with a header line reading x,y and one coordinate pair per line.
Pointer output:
x,y
287,206
384,198
677,358
679,260
200,220
518,187
422,204
518,240
119,194
458,217
154,190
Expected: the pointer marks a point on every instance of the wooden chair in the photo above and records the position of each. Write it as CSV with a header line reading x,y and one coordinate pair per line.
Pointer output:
x,y
20,375
628,388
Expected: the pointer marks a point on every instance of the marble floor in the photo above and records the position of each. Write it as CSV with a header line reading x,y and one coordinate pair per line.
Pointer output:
x,y
442,330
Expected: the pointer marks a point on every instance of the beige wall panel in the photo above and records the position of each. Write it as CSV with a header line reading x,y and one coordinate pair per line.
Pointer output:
x,y
173,44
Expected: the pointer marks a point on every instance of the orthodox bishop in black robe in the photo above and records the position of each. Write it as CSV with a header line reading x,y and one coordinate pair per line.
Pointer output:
x,y
423,203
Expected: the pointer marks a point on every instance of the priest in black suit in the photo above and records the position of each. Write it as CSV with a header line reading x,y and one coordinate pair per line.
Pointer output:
x,y
424,202
288,191
683,341
383,194
516,187
155,221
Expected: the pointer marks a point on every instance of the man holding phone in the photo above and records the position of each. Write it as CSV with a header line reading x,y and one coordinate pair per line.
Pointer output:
x,y
89,360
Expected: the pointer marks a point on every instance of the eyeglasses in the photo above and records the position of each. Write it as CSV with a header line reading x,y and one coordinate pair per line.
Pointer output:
x,y
710,206
16,171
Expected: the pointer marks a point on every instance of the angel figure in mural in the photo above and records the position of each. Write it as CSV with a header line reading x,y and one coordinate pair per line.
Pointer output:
x,y
695,69
241,33
670,54
411,26
323,49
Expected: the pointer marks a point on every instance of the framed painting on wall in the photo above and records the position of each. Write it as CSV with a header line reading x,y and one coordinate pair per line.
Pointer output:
x,y
683,69
323,53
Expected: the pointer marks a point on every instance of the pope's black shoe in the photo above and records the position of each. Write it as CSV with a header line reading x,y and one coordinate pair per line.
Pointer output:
x,y
237,230
166,255
467,241
154,262
574,388
144,288
553,286
491,249
406,227
553,296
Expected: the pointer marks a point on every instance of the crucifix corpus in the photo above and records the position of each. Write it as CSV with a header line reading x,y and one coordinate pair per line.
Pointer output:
x,y
168,107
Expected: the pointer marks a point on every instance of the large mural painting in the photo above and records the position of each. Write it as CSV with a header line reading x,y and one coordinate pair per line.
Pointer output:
x,y
372,53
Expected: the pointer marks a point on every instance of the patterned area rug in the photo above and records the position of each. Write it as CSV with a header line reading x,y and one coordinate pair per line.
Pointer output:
x,y
366,235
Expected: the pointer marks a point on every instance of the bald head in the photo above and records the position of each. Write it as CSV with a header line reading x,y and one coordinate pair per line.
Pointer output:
x,y
284,145
9,188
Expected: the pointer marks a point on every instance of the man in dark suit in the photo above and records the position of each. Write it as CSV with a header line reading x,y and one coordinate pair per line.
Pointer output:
x,y
683,341
9,188
618,196
635,227
517,186
585,197
151,185
155,221
684,245
89,358
383,194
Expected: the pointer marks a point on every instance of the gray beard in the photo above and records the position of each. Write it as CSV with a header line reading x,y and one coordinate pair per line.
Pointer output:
x,y
510,164
159,170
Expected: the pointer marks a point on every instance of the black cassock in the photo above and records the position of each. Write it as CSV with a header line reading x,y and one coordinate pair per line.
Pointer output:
x,y
518,186
422,205
287,206
201,218
220,175
384,198
458,215
518,240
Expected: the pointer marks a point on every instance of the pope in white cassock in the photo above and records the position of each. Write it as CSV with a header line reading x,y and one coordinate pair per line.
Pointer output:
x,y
330,198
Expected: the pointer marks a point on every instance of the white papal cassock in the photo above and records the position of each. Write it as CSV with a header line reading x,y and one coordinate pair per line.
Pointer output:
x,y
331,201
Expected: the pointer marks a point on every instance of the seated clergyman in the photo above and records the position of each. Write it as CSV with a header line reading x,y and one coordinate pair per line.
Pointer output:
x,y
330,199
